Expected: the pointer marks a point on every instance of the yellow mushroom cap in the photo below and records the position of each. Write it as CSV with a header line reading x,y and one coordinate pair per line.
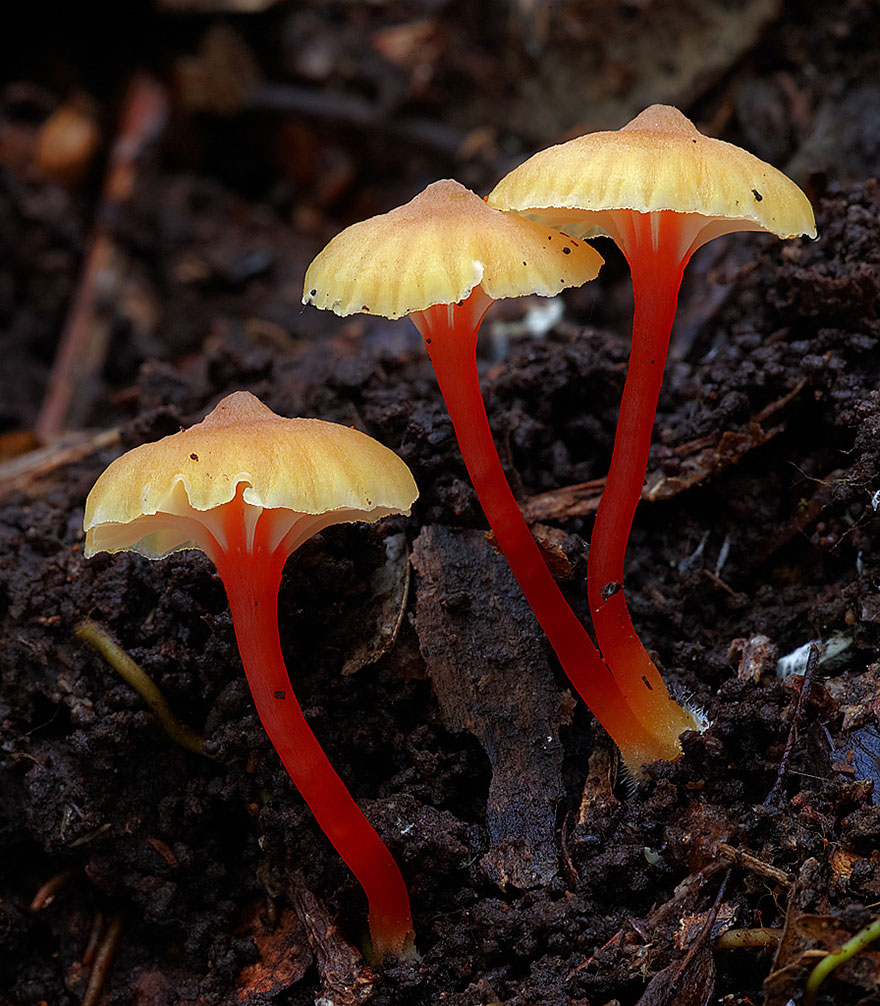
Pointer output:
x,y
299,466
435,250
659,161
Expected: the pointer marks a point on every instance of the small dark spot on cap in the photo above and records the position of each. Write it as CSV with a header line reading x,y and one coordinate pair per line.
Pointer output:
x,y
610,589
525,263
562,281
365,308
428,341
757,195
280,694
194,457
648,684
566,251
549,237
313,293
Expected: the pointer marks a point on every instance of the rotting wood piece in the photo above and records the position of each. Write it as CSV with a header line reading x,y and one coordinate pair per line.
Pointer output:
x,y
485,655
345,979
285,956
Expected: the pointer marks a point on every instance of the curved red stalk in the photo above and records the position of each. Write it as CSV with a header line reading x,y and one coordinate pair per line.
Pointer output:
x,y
251,575
450,334
653,250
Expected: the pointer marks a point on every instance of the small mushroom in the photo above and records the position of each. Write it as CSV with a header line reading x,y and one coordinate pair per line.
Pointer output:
x,y
248,487
660,189
443,259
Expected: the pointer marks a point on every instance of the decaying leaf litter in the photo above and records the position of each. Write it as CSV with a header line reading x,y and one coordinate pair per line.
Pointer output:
x,y
208,879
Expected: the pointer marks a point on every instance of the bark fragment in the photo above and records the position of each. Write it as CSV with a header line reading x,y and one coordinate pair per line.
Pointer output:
x,y
485,654
345,979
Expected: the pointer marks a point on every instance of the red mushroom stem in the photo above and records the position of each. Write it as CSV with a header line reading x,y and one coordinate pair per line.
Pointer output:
x,y
450,334
250,567
652,243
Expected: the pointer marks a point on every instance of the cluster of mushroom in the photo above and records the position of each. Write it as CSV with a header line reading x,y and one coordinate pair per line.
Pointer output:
x,y
660,189
248,487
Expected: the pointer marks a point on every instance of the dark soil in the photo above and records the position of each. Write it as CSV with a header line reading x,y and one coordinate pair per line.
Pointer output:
x,y
540,875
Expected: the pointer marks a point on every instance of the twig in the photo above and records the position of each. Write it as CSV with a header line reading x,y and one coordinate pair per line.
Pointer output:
x,y
812,664
702,458
613,941
23,471
134,675
750,862
94,941
46,894
103,960
83,343
360,114
225,77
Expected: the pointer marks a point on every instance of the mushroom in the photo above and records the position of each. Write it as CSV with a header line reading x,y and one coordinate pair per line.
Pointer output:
x,y
660,189
248,487
443,259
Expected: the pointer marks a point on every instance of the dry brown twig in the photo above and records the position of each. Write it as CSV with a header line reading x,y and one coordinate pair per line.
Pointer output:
x,y
25,470
103,959
750,862
47,893
84,339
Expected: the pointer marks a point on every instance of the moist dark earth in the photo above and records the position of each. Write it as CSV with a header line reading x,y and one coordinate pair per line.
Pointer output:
x,y
540,873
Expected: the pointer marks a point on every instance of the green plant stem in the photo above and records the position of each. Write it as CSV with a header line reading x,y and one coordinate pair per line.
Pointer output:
x,y
823,969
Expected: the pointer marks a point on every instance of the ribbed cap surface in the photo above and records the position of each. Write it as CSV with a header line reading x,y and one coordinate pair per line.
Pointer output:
x,y
435,249
303,465
659,161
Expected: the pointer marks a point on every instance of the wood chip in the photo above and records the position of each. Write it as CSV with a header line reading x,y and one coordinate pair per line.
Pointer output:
x,y
345,979
485,654
285,956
